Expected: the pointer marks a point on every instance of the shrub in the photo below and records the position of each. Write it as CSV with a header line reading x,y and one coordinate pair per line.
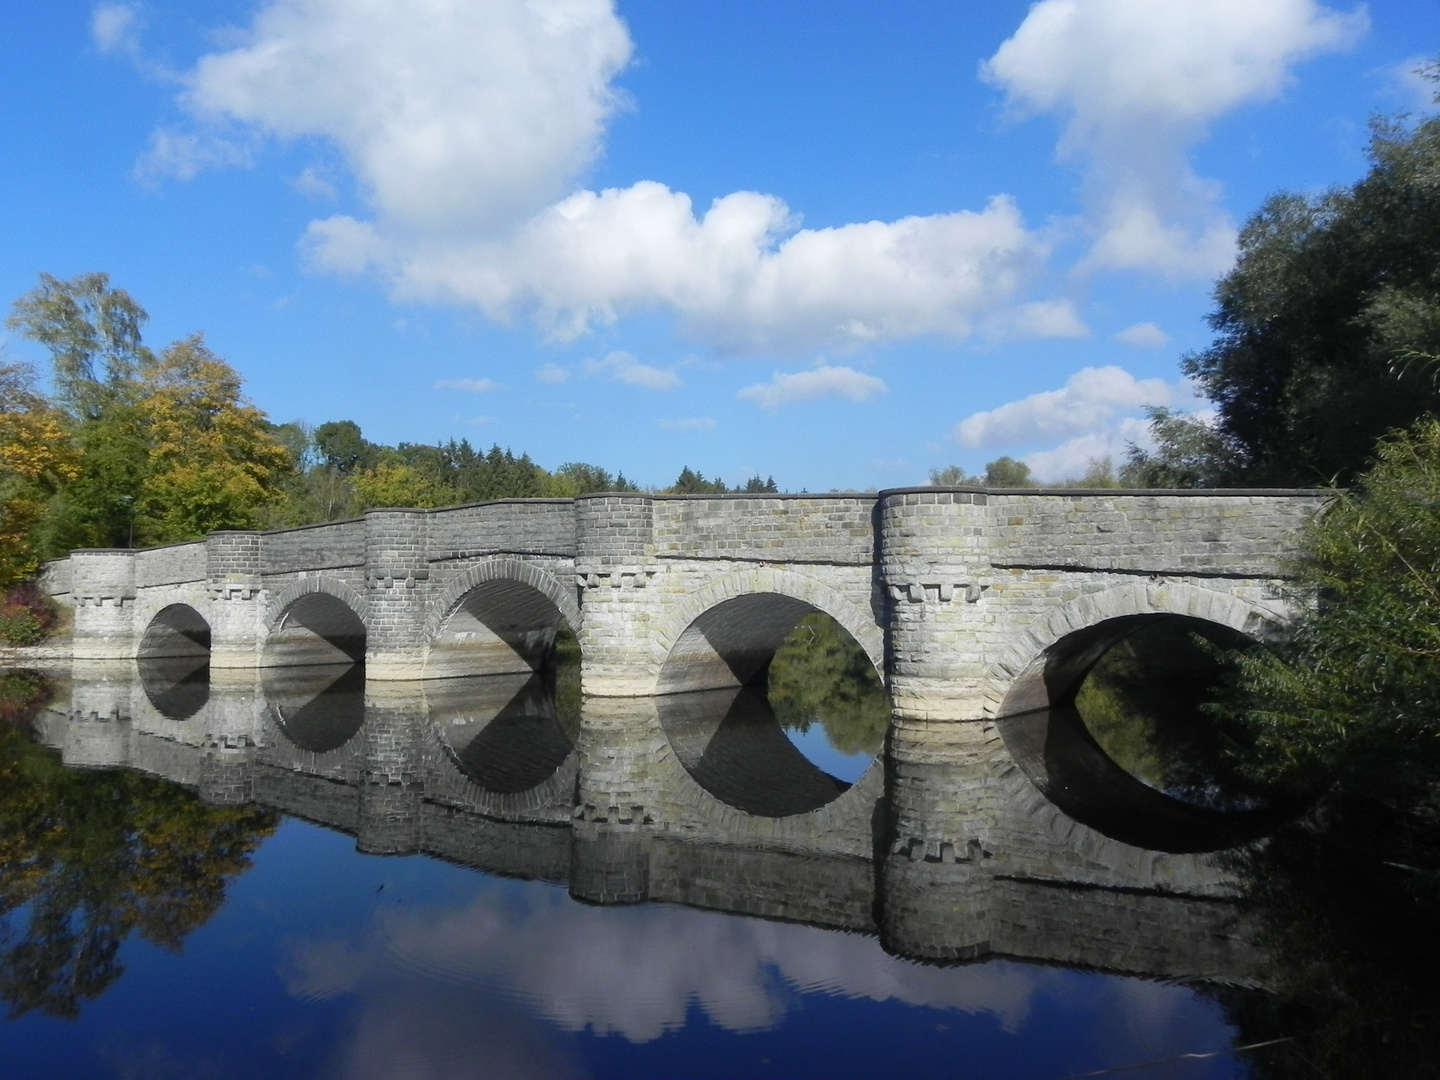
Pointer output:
x,y
26,615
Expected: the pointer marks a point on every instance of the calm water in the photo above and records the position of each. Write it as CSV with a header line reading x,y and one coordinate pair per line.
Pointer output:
x,y
578,889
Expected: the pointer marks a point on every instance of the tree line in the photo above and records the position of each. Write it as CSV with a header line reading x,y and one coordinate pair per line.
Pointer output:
x,y
133,447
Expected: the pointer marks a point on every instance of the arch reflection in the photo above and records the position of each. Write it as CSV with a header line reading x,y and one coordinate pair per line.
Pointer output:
x,y
178,686
317,708
1109,723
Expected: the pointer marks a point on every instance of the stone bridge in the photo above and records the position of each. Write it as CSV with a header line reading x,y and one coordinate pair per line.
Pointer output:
x,y
971,603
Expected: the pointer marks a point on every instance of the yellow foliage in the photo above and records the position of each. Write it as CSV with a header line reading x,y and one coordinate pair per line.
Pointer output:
x,y
212,460
36,457
399,485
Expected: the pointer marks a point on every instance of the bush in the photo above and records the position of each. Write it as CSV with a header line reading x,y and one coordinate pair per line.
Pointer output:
x,y
26,615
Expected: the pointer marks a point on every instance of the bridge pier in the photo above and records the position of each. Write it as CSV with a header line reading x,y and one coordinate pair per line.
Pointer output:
x,y
397,585
232,579
614,565
102,591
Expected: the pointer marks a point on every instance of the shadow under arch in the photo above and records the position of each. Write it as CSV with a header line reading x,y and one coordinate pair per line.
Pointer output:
x,y
315,628
731,642
176,631
1048,739
499,625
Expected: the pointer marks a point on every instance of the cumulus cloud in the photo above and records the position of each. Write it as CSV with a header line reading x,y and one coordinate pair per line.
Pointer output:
x,y
623,367
115,28
475,114
740,275
818,382
695,424
1089,402
553,374
467,130
1145,335
470,386
1137,85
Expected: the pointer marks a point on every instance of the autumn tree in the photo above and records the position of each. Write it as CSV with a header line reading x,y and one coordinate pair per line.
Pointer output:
x,y
166,447
37,459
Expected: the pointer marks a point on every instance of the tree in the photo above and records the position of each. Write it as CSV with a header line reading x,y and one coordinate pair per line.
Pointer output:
x,y
1323,327
167,447
1354,693
37,459
86,326
213,462
342,447
1003,472
397,484
690,482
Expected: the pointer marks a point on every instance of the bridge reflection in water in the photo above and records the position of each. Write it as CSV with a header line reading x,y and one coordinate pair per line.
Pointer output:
x,y
946,853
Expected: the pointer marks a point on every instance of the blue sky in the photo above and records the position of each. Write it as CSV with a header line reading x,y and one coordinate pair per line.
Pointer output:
x,y
839,243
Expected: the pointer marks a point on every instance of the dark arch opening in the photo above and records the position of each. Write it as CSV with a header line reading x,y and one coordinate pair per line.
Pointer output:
x,y
500,627
772,706
318,708
1108,724
316,629
176,631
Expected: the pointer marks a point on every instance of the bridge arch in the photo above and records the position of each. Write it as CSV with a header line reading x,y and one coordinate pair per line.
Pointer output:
x,y
175,630
724,634
1033,690
315,620
499,616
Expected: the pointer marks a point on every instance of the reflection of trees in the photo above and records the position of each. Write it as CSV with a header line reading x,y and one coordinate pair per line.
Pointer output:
x,y
97,856
821,675
1347,909
1145,704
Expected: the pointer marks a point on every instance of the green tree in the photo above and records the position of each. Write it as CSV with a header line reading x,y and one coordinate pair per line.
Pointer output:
x,y
342,447
93,335
168,447
690,482
1354,693
1323,327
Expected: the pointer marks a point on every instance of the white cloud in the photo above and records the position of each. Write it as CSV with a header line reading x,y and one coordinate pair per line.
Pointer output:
x,y
311,182
818,382
1138,83
553,374
184,156
623,367
1043,319
470,386
1145,335
1089,403
1071,458
466,130
696,424
115,28
472,115
739,276
1415,91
